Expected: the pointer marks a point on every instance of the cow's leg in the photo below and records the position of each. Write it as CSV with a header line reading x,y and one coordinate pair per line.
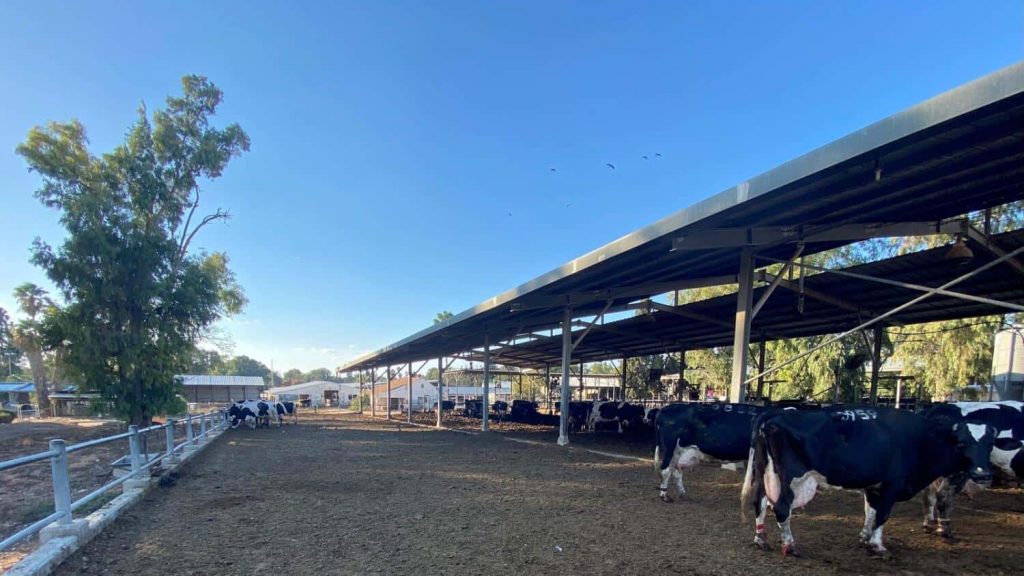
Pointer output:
x,y
780,493
869,522
784,516
760,532
668,467
929,499
944,507
882,503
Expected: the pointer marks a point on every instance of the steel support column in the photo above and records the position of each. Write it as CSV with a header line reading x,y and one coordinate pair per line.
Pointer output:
x,y
408,397
387,409
878,335
760,368
547,387
486,408
581,381
682,376
563,417
440,388
373,391
622,379
360,391
741,340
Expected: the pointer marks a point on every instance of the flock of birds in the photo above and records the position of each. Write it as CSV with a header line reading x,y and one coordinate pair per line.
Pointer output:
x,y
612,166
609,165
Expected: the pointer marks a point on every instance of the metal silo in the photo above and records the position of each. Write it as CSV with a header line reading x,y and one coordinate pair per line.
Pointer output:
x,y
1008,364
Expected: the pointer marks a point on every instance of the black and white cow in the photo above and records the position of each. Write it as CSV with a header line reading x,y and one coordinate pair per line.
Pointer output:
x,y
689,433
253,412
889,454
579,413
623,414
651,416
240,412
285,409
1007,458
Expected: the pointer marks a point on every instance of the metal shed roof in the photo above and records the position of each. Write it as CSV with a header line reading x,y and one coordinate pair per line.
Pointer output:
x,y
210,380
957,152
854,301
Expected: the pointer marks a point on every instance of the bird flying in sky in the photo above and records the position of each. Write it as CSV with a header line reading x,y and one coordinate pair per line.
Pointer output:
x,y
610,165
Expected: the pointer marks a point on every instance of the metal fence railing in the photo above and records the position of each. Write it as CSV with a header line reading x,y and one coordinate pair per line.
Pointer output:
x,y
138,462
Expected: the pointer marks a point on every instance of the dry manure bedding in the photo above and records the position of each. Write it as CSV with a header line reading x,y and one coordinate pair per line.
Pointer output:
x,y
344,494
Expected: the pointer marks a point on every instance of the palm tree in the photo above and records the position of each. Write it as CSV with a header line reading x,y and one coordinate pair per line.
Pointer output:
x,y
28,336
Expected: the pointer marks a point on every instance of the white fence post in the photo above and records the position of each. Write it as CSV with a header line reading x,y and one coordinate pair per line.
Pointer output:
x,y
189,434
133,446
169,432
202,426
61,482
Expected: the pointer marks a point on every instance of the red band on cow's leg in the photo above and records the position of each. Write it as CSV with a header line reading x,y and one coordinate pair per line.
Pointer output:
x,y
759,528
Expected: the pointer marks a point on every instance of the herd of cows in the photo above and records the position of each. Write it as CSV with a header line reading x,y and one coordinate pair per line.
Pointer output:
x,y
255,413
890,455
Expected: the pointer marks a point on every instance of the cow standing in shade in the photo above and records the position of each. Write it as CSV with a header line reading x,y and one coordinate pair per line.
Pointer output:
x,y
689,433
1007,458
890,455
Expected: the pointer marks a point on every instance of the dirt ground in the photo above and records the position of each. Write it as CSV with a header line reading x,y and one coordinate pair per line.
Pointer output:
x,y
342,494
25,491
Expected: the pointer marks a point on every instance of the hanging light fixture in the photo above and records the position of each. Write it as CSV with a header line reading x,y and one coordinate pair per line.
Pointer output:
x,y
959,250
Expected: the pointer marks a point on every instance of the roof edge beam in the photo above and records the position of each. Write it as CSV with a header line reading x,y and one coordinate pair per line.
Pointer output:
x,y
642,291
765,235
680,311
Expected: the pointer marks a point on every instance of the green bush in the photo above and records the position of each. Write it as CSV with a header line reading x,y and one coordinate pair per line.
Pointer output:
x,y
6,417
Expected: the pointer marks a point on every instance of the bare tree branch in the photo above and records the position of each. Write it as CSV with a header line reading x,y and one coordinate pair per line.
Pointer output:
x,y
218,215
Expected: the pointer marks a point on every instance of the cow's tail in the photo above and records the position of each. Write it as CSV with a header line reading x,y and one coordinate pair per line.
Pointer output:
x,y
753,480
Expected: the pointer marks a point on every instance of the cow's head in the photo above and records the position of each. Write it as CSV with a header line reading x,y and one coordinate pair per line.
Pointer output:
x,y
234,415
974,449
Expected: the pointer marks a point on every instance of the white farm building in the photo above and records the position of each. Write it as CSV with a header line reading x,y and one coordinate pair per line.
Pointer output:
x,y
316,393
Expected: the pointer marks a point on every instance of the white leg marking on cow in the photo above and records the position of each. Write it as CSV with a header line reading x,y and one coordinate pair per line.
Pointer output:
x,y
803,489
678,474
876,541
931,499
1002,458
869,521
760,532
788,543
772,483
666,474
977,430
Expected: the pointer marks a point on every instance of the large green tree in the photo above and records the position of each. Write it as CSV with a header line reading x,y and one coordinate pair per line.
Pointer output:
x,y
138,298
28,335
246,366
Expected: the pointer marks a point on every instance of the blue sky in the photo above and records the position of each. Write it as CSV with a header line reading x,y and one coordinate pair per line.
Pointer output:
x,y
401,151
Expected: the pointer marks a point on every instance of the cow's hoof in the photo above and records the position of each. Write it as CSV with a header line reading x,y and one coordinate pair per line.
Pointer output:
x,y
666,498
761,543
882,553
929,527
790,550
